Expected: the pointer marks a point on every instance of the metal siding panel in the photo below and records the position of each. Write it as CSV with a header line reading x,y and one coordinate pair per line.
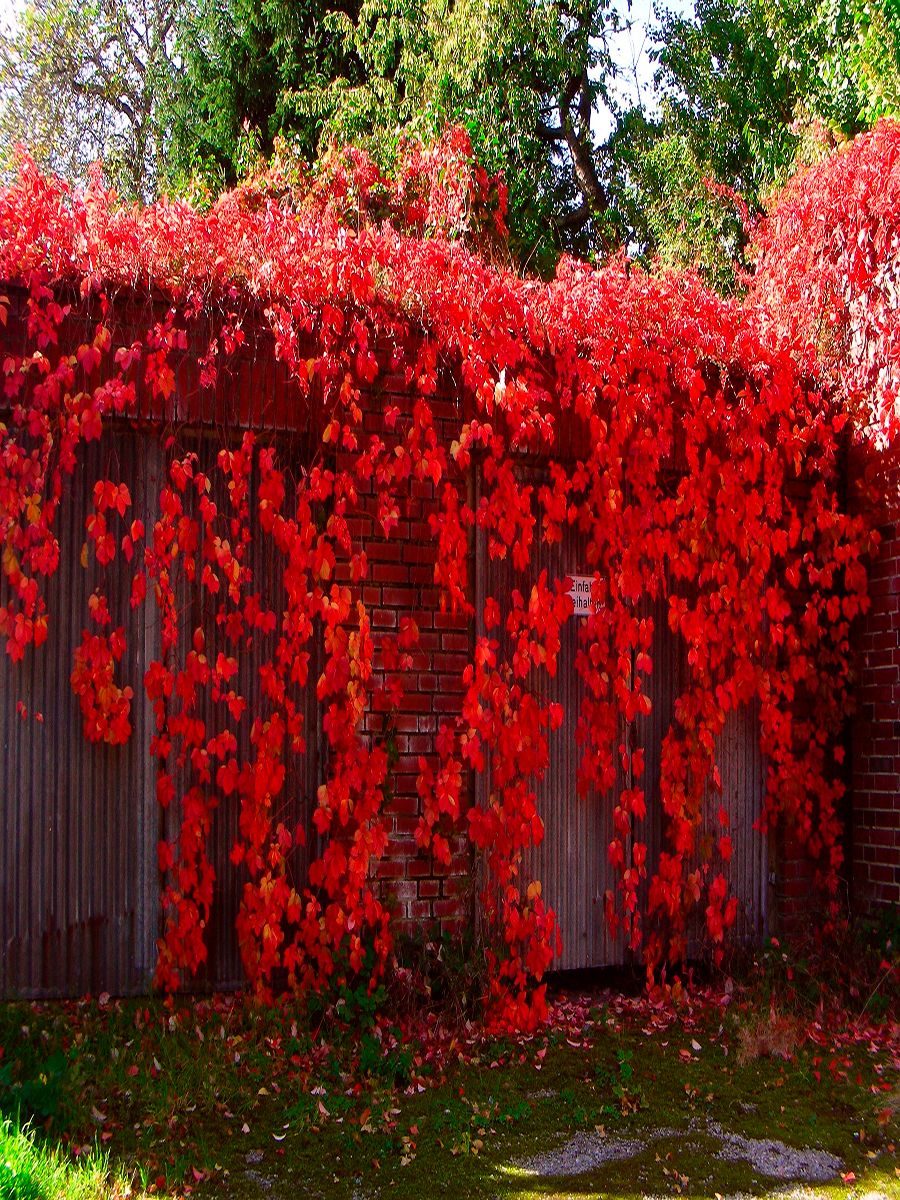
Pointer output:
x,y
295,805
743,783
572,864
79,886
742,774
572,860
70,865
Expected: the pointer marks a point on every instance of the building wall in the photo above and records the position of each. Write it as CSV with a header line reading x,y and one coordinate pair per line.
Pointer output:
x,y
107,941
401,584
79,886
875,735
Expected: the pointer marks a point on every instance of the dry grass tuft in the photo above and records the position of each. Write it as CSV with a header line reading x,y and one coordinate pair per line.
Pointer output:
x,y
772,1035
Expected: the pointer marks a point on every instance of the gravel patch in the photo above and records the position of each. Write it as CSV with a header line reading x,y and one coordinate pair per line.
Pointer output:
x,y
587,1151
776,1159
783,1195
584,1152
262,1181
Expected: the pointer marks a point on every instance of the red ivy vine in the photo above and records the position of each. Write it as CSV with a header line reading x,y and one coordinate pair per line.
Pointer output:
x,y
679,440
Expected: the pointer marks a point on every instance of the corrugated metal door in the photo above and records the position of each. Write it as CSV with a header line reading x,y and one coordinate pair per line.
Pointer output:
x,y
572,861
78,880
79,885
295,804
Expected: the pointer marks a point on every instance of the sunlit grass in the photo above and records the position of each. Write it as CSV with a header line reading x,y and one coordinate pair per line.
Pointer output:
x,y
31,1170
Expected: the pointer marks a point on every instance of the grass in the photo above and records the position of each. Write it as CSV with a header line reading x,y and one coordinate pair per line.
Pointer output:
x,y
32,1169
219,1099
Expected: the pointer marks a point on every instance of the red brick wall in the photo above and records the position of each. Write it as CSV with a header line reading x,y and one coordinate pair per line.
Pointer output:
x,y
401,584
876,736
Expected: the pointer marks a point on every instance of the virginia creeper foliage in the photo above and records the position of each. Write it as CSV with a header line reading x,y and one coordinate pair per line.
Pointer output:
x,y
828,274
677,437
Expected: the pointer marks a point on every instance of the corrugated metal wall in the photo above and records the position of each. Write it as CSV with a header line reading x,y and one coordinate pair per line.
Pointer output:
x,y
78,895
79,889
79,886
572,861
743,776
295,804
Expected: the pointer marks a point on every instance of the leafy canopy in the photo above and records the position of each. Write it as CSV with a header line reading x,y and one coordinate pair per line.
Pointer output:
x,y
750,90
86,81
525,78
179,93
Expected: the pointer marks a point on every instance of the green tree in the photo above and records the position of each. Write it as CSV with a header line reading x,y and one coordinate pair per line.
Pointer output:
x,y
81,81
246,64
526,77
751,89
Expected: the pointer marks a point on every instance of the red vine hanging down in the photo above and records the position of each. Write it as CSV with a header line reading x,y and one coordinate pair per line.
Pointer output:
x,y
680,443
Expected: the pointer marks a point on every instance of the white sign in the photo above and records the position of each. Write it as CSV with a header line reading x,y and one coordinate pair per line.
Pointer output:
x,y
580,591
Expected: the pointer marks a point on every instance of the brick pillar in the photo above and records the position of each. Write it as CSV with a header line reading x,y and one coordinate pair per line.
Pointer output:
x,y
876,734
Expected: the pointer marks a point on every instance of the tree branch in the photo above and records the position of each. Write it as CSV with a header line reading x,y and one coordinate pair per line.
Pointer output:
x,y
581,148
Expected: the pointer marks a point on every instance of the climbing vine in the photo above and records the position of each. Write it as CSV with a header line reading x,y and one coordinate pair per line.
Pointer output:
x,y
679,441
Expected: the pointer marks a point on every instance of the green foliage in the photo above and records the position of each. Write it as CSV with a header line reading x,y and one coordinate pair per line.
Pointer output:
x,y
359,1005
188,95
31,1087
667,203
523,77
247,66
618,1081
851,53
442,974
857,970
879,932
727,85
393,1067
349,1000
32,1170
750,90
87,81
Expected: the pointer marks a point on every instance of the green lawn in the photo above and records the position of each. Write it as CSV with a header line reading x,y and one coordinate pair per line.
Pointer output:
x,y
220,1100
